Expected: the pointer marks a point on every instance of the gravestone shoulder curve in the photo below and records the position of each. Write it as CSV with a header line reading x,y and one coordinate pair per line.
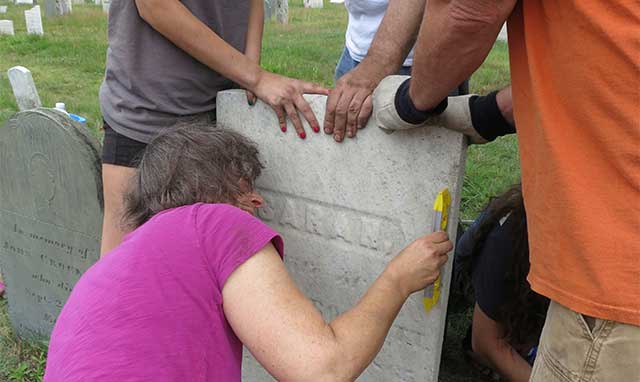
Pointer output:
x,y
50,214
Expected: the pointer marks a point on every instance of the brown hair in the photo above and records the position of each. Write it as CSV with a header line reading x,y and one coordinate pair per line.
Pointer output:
x,y
187,164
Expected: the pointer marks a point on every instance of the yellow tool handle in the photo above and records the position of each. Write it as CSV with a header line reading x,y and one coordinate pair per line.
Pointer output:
x,y
438,223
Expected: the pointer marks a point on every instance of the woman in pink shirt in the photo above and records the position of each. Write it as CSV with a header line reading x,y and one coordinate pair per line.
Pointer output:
x,y
199,276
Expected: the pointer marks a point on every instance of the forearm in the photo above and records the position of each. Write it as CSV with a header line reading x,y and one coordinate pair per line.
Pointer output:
x,y
198,40
253,44
360,332
455,38
395,37
507,362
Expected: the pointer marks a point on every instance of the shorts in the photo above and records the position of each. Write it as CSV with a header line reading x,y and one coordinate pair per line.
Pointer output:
x,y
119,150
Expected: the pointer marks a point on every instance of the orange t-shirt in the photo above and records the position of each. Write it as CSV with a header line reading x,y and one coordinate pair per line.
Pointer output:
x,y
576,89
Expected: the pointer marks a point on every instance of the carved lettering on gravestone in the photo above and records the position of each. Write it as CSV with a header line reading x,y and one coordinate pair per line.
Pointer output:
x,y
24,89
50,214
345,210
34,21
6,27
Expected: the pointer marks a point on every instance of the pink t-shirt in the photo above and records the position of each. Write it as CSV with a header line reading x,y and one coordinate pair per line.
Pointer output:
x,y
152,309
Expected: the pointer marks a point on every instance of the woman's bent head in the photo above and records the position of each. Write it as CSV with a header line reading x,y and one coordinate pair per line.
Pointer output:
x,y
192,163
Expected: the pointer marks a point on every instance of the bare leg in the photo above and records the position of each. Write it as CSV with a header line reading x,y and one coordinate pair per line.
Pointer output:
x,y
114,182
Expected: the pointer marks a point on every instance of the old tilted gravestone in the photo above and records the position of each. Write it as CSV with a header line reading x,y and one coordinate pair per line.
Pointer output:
x,y
50,214
33,19
346,209
6,27
24,89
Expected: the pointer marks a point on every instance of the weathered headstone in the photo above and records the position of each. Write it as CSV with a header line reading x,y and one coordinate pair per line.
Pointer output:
x,y
57,7
3,9
97,2
28,2
6,27
50,214
346,209
24,89
282,11
313,4
105,6
33,19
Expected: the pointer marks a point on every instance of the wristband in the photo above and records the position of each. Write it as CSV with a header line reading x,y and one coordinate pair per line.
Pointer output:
x,y
487,119
408,111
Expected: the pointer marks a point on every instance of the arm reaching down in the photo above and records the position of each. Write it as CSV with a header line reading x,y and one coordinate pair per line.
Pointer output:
x,y
287,334
455,38
488,342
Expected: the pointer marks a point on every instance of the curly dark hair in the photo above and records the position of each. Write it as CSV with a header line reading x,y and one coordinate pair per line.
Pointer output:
x,y
523,313
190,163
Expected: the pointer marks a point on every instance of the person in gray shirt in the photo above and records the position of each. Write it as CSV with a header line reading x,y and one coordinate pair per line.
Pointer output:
x,y
166,61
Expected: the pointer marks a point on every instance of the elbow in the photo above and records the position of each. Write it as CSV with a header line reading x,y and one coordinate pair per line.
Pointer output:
x,y
477,17
324,365
147,9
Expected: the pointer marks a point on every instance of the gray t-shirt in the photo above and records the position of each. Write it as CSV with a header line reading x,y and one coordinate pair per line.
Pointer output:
x,y
149,82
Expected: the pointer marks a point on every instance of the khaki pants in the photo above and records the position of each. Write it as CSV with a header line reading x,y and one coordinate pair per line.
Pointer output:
x,y
575,348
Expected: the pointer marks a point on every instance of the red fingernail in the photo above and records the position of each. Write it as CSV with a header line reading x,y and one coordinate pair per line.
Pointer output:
x,y
303,135
316,129
283,128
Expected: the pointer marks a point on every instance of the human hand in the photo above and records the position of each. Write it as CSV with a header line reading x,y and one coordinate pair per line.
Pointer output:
x,y
419,264
284,95
350,104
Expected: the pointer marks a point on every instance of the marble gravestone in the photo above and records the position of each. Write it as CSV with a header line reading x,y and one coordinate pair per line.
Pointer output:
x,y
54,8
33,19
313,3
269,9
345,210
3,9
50,214
24,88
6,27
282,11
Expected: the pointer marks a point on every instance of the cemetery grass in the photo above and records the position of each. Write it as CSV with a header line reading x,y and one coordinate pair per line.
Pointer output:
x,y
68,65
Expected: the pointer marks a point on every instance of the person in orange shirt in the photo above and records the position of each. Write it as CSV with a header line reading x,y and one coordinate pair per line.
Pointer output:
x,y
575,68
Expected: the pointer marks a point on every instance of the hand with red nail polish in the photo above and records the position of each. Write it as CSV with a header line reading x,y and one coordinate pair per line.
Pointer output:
x,y
284,95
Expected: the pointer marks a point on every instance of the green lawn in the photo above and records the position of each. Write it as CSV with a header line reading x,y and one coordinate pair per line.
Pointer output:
x,y
68,65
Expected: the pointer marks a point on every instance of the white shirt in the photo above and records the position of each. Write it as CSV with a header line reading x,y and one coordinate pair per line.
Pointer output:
x,y
365,17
